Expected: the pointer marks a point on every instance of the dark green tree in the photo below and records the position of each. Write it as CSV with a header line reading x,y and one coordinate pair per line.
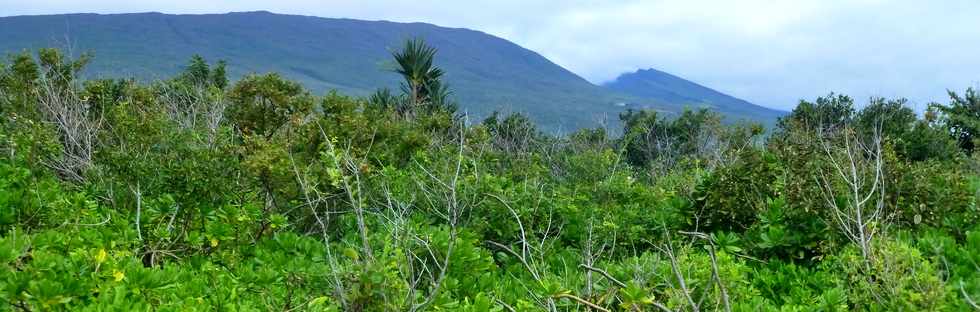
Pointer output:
x,y
825,114
261,104
515,133
423,83
962,117
894,118
219,78
384,99
56,66
913,139
198,71
926,141
648,138
19,77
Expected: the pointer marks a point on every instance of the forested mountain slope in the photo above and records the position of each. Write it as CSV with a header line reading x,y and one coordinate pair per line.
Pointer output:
x,y
486,73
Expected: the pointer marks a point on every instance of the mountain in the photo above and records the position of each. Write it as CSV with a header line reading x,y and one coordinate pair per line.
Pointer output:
x,y
487,73
656,85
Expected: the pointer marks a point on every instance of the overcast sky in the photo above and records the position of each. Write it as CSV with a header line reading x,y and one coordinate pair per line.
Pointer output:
x,y
771,53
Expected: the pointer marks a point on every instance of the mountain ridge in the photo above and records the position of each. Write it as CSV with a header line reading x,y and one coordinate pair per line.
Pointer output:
x,y
487,72
656,84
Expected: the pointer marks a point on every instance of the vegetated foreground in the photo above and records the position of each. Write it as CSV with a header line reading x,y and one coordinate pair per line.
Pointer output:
x,y
196,194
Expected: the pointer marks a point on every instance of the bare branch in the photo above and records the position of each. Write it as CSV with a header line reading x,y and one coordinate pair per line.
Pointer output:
x,y
139,209
604,274
861,172
77,125
969,300
314,198
582,301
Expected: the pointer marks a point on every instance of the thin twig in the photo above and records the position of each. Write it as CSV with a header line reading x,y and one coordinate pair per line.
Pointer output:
x,y
139,209
604,274
582,301
968,299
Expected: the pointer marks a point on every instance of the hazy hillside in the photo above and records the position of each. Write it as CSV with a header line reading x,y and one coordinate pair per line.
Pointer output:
x,y
663,87
487,73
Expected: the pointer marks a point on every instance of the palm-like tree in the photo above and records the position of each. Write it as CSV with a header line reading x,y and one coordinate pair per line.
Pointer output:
x,y
423,83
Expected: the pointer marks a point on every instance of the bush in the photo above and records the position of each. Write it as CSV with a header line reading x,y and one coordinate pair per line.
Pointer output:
x,y
897,277
731,198
934,194
393,203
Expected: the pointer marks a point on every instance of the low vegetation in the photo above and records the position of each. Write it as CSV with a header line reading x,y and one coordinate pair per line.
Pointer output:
x,y
196,193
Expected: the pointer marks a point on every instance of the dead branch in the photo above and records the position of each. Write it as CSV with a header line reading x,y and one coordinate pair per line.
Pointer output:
x,y
73,119
604,274
582,301
969,300
860,218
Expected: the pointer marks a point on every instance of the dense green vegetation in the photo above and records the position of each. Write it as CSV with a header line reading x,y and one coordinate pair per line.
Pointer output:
x,y
486,73
196,193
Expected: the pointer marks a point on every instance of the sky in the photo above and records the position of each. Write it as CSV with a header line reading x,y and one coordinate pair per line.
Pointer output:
x,y
773,53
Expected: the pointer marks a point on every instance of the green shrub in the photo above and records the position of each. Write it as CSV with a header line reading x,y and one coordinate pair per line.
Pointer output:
x,y
897,277
934,194
731,198
298,202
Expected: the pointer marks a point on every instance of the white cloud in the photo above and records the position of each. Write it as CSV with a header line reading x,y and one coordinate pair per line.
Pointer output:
x,y
769,52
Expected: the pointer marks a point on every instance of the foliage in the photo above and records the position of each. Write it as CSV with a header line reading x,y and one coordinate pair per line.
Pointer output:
x,y
263,104
660,143
935,195
826,113
257,195
732,197
960,116
899,278
423,85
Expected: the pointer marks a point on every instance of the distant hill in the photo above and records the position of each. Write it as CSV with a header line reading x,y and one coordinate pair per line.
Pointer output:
x,y
487,73
656,85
